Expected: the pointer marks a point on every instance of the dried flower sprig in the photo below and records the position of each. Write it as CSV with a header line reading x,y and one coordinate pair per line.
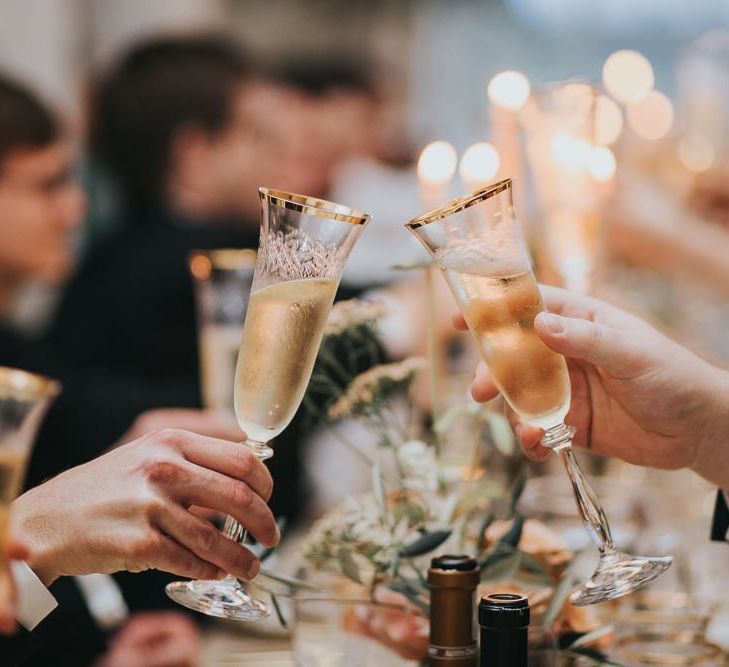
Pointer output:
x,y
376,386
353,313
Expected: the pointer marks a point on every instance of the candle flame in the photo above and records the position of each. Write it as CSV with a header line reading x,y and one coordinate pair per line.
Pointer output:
x,y
628,76
437,163
479,164
509,89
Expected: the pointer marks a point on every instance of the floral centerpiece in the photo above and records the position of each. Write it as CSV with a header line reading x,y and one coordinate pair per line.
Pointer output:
x,y
374,549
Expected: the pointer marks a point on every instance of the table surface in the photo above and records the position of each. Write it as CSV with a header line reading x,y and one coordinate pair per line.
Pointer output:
x,y
225,646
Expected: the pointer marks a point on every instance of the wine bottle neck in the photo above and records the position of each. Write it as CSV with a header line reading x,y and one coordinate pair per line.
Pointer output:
x,y
503,648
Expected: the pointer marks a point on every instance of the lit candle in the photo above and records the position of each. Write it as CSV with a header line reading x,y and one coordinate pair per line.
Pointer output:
x,y
508,92
479,165
436,166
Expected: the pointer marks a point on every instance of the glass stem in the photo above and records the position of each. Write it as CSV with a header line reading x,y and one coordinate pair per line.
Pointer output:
x,y
234,530
559,438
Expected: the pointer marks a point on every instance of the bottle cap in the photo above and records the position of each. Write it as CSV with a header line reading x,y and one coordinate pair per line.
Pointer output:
x,y
503,611
450,562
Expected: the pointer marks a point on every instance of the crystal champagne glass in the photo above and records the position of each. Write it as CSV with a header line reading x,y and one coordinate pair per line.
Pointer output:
x,y
478,245
303,246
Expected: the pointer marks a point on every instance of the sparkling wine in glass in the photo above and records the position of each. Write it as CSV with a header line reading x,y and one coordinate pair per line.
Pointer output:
x,y
477,243
303,246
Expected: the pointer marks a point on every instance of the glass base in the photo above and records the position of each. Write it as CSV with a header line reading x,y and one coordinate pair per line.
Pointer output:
x,y
222,598
618,574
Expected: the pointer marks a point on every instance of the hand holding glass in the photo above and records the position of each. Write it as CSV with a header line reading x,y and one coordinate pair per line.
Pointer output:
x,y
303,246
477,243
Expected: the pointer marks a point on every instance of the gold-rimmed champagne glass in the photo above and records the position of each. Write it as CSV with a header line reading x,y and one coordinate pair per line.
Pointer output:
x,y
478,244
303,246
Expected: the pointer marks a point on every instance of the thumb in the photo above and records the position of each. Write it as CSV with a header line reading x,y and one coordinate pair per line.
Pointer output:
x,y
617,352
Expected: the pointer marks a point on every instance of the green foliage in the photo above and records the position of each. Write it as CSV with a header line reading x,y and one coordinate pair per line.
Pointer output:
x,y
426,543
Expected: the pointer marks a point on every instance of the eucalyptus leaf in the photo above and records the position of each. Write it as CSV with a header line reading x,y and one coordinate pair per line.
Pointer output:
x,y
504,569
487,521
445,421
408,591
349,566
513,535
559,597
292,582
277,609
590,637
501,433
425,543
578,655
495,555
516,490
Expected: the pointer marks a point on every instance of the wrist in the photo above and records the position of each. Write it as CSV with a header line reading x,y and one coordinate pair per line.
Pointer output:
x,y
33,528
711,460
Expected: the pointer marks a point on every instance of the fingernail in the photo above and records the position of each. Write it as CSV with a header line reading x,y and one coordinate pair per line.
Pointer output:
x,y
552,322
518,431
253,570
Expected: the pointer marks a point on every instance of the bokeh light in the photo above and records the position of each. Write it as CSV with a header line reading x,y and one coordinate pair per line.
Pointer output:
x,y
628,76
437,163
479,164
509,89
608,121
651,117
696,153
569,153
602,164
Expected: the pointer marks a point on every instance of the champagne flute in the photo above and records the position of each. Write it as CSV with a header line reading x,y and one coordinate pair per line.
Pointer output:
x,y
222,280
303,246
478,244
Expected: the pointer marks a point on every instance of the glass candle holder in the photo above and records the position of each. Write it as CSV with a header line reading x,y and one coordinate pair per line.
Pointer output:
x,y
559,128
222,280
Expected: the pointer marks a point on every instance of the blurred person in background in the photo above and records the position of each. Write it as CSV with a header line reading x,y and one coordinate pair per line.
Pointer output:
x,y
333,115
171,128
186,132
